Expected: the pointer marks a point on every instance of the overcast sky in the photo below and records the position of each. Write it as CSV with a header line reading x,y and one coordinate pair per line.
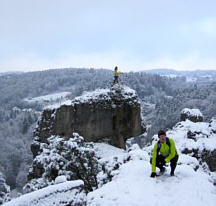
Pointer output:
x,y
133,34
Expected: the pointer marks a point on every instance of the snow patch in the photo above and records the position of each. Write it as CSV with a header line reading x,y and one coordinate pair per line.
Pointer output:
x,y
47,98
192,112
98,94
60,179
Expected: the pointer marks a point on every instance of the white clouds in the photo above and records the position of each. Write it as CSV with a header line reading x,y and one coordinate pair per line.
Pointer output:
x,y
137,34
189,62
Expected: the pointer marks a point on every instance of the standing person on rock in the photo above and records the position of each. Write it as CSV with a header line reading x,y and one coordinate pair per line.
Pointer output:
x,y
164,152
116,75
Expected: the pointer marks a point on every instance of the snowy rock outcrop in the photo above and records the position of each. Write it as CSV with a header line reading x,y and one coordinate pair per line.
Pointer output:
x,y
105,115
196,140
193,115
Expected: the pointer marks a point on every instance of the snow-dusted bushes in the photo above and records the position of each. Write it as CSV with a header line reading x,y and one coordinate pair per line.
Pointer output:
x,y
71,157
4,190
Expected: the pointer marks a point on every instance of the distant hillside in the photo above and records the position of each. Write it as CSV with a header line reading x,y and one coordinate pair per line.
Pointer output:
x,y
8,73
14,88
203,76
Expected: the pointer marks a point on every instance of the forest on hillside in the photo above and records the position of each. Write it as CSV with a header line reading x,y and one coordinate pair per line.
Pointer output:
x,y
162,99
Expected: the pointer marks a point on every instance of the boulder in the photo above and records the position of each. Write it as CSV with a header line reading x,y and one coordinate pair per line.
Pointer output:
x,y
210,158
193,115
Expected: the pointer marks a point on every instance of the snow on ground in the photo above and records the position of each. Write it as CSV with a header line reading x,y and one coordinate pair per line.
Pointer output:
x,y
131,184
107,152
125,91
59,104
190,79
58,195
47,98
134,187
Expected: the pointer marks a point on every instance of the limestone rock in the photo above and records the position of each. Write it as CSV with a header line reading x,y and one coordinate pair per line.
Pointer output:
x,y
105,115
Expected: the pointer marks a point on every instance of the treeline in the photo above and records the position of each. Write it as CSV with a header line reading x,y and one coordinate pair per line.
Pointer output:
x,y
15,87
167,110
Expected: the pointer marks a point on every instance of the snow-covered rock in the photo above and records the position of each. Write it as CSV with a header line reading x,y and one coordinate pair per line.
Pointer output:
x,y
193,115
60,179
105,115
67,193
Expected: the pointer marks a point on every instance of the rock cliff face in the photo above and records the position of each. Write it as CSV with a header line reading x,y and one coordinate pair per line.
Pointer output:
x,y
107,115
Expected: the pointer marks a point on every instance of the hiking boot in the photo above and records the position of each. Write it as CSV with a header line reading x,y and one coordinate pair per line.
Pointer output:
x,y
162,170
172,174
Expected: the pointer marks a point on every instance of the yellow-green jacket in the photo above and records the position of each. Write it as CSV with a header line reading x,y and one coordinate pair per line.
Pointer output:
x,y
116,74
166,151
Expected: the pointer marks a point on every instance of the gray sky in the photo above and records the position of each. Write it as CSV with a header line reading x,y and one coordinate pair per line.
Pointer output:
x,y
133,34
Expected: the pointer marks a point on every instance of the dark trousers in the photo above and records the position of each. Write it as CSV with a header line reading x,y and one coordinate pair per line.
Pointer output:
x,y
160,162
115,79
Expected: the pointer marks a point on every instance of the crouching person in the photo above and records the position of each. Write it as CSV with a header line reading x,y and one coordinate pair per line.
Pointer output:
x,y
164,152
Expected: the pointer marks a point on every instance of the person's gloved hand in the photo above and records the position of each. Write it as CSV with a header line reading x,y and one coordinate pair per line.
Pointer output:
x,y
153,174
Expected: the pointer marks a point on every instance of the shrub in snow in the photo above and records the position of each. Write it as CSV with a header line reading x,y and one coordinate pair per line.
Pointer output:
x,y
4,190
109,168
212,124
73,158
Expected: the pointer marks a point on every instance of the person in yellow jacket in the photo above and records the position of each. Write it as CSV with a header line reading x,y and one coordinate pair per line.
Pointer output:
x,y
116,75
164,152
